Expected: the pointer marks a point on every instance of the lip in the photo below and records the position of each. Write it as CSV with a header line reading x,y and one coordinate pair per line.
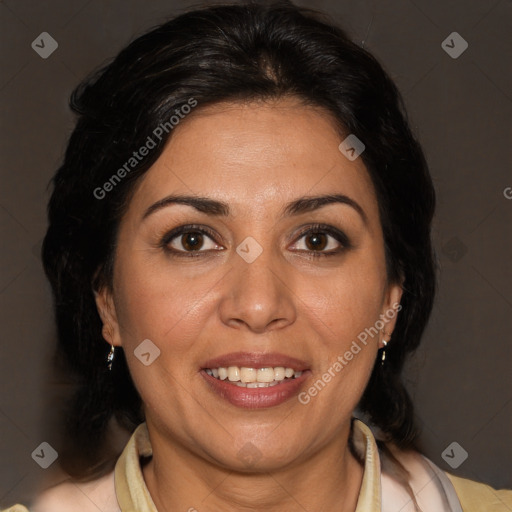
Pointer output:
x,y
256,360
256,398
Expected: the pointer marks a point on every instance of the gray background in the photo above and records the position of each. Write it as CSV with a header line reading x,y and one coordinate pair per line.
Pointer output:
x,y
460,109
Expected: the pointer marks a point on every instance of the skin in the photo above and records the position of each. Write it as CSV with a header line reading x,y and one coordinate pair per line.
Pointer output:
x,y
255,157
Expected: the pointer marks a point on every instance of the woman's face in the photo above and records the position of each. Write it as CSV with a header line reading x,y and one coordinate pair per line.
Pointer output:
x,y
253,284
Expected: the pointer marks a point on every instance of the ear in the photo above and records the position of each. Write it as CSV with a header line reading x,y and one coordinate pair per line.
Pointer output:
x,y
107,311
390,311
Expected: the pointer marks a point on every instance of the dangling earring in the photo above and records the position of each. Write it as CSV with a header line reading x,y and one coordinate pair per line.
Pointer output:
x,y
110,357
383,356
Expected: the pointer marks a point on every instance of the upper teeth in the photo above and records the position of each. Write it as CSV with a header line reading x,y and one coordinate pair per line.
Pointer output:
x,y
243,374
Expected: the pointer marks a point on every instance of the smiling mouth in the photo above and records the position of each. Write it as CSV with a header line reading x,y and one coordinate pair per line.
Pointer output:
x,y
246,377
255,380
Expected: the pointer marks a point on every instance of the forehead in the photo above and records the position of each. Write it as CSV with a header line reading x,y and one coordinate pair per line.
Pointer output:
x,y
255,157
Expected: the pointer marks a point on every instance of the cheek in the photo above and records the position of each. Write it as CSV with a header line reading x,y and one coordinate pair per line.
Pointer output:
x,y
349,299
168,309
346,351
160,302
344,309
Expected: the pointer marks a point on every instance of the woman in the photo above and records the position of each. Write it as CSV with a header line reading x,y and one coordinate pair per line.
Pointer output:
x,y
239,249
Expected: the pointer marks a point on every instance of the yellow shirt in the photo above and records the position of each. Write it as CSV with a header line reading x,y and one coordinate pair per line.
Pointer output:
x,y
124,490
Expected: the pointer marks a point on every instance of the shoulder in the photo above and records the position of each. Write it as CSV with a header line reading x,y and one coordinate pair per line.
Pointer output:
x,y
475,495
428,481
70,496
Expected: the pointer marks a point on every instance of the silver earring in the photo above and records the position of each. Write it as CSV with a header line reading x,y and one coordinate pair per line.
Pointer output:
x,y
110,357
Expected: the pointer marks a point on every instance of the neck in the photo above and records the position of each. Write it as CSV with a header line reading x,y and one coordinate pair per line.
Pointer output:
x,y
330,479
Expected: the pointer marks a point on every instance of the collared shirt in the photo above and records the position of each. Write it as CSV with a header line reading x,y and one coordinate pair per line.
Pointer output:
x,y
133,495
431,486
124,490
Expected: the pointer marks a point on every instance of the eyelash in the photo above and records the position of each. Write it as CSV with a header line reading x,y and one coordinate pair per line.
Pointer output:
x,y
339,236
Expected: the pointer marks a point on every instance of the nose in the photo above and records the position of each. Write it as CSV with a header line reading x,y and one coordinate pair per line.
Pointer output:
x,y
258,296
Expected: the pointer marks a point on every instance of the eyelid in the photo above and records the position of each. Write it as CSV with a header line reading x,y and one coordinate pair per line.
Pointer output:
x,y
185,228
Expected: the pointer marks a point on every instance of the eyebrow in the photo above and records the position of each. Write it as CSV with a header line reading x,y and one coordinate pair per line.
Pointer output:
x,y
218,208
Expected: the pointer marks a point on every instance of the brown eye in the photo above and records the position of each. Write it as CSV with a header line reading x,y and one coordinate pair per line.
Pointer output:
x,y
186,240
322,240
316,241
192,241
